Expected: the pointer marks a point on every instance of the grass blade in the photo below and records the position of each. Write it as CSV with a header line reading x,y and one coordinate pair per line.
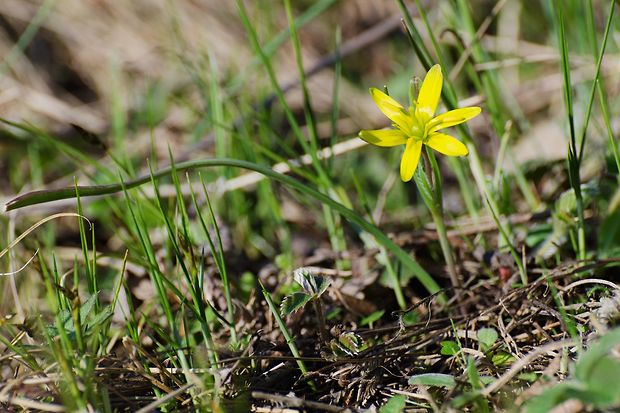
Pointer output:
x,y
42,196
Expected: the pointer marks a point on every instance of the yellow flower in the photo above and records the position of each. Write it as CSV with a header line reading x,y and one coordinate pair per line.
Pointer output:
x,y
418,125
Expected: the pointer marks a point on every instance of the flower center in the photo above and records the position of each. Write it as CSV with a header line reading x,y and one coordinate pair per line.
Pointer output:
x,y
417,129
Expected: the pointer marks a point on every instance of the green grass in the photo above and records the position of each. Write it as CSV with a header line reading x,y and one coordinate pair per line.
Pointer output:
x,y
158,284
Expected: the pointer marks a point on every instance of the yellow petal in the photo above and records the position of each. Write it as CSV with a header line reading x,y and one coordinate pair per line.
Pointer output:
x,y
384,137
451,118
390,108
429,94
410,160
447,145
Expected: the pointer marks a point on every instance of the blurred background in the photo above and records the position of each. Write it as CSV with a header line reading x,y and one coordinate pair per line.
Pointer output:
x,y
101,74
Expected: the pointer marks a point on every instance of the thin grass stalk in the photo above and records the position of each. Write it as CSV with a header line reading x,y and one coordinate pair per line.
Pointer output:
x,y
436,178
608,128
267,196
569,323
308,111
196,304
597,75
118,288
90,276
23,352
35,23
487,80
508,242
206,329
449,99
336,235
157,277
219,253
591,28
524,185
62,349
501,155
335,112
573,153
68,374
155,273
63,303
38,197
75,314
290,341
253,37
217,111
464,181
118,120
271,46
383,256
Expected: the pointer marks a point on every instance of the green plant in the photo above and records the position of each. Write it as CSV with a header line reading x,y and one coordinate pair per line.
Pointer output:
x,y
591,382
313,286
416,127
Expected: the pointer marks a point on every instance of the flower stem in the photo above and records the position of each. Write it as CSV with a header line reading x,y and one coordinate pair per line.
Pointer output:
x,y
446,249
434,202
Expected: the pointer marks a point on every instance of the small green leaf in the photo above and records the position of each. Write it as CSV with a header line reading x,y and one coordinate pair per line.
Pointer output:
x,y
293,302
449,348
486,338
65,317
528,376
590,360
537,234
283,261
550,398
348,344
567,202
486,380
601,393
596,373
481,404
87,308
501,358
333,313
372,317
410,317
100,318
473,375
311,283
395,404
247,282
433,379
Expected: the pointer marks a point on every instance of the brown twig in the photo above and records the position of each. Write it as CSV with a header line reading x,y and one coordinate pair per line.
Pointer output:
x,y
298,402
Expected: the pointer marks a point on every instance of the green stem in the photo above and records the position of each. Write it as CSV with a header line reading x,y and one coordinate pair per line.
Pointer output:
x,y
422,178
290,341
446,248
574,154
439,218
